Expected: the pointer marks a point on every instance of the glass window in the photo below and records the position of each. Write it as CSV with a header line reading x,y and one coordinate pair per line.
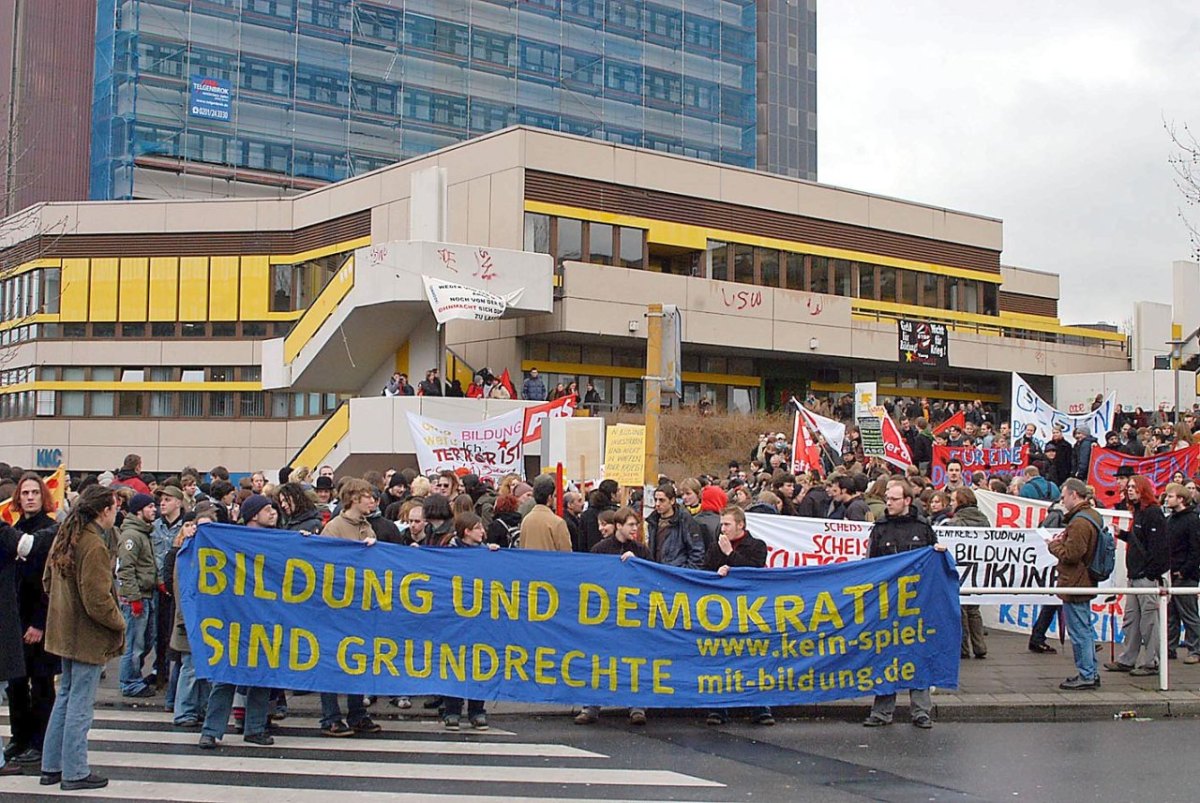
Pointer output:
x,y
600,243
162,405
45,402
929,285
104,330
843,278
537,233
793,274
866,281
51,289
220,405
133,330
632,247
570,239
194,330
718,260
743,264
162,329
819,282
76,374
906,287
192,375
991,299
253,405
279,405
969,300
281,288
102,403
887,283
72,402
191,405
133,375
162,374
130,404
768,264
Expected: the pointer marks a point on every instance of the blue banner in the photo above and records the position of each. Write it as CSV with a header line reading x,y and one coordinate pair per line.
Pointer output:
x,y
210,98
273,608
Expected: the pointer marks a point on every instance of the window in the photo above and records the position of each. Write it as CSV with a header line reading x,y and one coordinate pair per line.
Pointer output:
x,y
253,405
220,405
631,246
72,402
866,281
623,78
162,405
130,404
537,233
192,375
929,286
991,299
490,47
539,58
743,264
819,275
570,240
906,287
843,278
600,243
191,405
281,288
45,402
794,271
51,279
102,403
969,296
887,283
132,375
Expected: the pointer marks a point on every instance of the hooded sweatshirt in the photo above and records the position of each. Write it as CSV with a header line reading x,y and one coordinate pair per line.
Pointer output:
x,y
712,501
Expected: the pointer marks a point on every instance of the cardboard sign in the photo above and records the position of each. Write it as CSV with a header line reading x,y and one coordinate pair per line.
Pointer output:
x,y
625,454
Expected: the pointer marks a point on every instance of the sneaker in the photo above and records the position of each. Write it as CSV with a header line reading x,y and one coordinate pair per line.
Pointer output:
x,y
715,719
259,738
11,749
1117,666
1079,684
400,702
368,701
1044,649
1143,671
93,781
337,729
637,717
50,778
923,722
764,719
10,769
29,757
979,656
586,717
1192,658
479,722
207,742
146,691
187,724
451,721
366,725
874,722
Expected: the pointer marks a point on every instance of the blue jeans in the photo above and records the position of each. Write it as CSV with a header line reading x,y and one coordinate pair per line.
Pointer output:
x,y
356,709
135,646
65,749
191,696
220,705
172,685
1083,638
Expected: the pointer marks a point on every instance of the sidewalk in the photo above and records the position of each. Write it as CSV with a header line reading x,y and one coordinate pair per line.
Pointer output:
x,y
1010,685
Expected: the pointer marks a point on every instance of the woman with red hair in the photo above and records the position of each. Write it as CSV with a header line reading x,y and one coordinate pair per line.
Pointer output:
x,y
1147,558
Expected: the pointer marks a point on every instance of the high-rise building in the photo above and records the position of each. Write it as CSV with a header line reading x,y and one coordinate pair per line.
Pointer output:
x,y
197,98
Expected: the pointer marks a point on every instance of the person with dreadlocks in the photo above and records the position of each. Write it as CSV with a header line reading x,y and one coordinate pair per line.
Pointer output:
x,y
85,628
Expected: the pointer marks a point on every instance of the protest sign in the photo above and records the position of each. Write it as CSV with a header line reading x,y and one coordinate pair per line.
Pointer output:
x,y
795,541
989,461
1030,408
1102,469
452,301
1018,512
625,454
959,420
923,343
534,416
488,448
870,433
1000,558
895,450
276,609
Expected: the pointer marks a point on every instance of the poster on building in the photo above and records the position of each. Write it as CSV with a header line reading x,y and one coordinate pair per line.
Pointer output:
x,y
488,448
625,454
977,458
923,343
210,98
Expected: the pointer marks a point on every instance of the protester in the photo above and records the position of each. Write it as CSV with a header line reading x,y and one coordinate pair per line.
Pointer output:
x,y
1147,559
1074,547
469,534
542,528
965,512
1183,539
137,582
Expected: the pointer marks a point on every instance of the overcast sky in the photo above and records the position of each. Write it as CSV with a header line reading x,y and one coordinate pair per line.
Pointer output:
x,y
1046,115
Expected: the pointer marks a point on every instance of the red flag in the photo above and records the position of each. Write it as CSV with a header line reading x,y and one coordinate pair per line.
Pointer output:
x,y
806,452
506,380
559,408
895,450
957,420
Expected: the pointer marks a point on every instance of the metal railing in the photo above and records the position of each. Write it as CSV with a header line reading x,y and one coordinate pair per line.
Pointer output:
x,y
1163,592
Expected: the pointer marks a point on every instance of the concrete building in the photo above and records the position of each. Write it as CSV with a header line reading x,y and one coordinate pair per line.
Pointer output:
x,y
181,329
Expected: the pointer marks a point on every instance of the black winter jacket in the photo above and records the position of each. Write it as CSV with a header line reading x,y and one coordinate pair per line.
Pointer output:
x,y
899,534
748,551
1147,556
1183,539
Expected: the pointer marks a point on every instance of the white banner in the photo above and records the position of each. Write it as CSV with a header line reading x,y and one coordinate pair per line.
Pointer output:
x,y
1004,510
834,432
451,301
794,541
488,448
1030,408
865,397
1002,558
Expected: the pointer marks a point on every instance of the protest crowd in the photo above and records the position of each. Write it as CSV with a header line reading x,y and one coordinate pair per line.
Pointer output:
x,y
97,580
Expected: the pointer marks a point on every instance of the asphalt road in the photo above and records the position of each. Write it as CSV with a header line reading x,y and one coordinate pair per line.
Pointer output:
x,y
548,757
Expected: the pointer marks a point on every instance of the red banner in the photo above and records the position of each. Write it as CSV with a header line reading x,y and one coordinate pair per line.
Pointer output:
x,y
976,458
895,450
1102,469
957,420
559,408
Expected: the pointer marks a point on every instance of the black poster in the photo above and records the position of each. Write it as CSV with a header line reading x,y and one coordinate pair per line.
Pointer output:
x,y
923,343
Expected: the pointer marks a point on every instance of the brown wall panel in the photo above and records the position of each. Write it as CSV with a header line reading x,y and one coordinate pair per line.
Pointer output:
x,y
1029,305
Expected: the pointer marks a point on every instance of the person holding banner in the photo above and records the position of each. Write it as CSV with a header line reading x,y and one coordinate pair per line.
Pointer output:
x,y
965,512
1147,559
469,533
900,531
672,535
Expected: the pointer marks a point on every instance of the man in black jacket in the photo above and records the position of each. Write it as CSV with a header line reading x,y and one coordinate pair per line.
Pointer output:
x,y
1183,540
900,531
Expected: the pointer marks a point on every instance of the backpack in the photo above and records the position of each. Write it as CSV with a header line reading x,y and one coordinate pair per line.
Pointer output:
x,y
1104,558
1043,488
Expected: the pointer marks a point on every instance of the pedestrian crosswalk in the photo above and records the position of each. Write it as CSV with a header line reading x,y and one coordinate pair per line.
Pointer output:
x,y
145,758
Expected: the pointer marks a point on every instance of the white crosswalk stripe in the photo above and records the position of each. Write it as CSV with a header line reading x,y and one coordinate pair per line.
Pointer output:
x,y
148,760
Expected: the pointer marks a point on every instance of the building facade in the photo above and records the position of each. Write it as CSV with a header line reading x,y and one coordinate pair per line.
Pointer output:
x,y
220,98
144,325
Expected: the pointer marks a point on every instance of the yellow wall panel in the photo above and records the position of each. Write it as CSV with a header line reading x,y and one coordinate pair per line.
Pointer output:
x,y
103,296
74,300
256,288
193,289
223,289
135,288
164,288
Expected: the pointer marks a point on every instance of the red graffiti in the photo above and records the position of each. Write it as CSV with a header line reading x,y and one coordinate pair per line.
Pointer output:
x,y
814,305
449,259
484,269
742,299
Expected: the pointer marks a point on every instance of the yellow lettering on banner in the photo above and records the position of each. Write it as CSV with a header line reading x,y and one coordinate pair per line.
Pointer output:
x,y
359,665
788,608
751,613
570,656
586,592
859,593
235,636
514,662
269,645
598,672
260,592
478,673
626,606
327,587
454,659
885,605
825,612
314,648
509,599
386,651
905,595
726,611
410,668
635,666
537,589
381,591
239,574
680,609
456,596
290,569
543,661
214,643
423,599
659,676
212,570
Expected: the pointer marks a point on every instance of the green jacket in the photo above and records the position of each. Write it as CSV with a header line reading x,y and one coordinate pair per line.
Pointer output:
x,y
137,571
